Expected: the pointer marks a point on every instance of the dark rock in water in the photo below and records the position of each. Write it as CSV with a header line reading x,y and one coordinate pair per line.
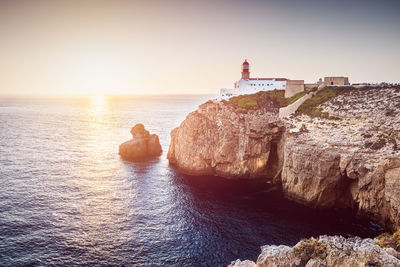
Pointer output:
x,y
142,146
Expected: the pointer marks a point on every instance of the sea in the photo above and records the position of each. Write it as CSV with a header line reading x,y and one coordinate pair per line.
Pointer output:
x,y
68,199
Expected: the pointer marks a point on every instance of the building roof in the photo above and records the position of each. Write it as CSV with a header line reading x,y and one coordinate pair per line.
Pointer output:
x,y
269,79
245,62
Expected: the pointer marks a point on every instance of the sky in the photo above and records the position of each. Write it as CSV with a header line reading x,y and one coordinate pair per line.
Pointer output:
x,y
191,47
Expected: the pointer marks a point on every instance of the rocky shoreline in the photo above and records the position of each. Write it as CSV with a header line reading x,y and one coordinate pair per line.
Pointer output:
x,y
325,251
345,157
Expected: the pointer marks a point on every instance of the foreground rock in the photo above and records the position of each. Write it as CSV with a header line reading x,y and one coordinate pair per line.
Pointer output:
x,y
142,146
219,139
325,251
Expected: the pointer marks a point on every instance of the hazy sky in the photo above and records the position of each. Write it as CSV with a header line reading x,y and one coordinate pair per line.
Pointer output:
x,y
139,47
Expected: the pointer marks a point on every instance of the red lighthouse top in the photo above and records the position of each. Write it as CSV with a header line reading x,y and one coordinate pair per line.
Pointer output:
x,y
245,70
245,66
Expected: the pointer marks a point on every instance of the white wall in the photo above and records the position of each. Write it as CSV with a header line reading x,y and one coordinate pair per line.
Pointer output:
x,y
254,86
226,93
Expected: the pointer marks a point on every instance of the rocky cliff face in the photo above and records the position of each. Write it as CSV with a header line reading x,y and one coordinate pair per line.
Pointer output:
x,y
325,251
219,139
352,161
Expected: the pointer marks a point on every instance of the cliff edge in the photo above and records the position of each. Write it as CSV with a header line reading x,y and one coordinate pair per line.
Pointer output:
x,y
344,153
339,150
222,139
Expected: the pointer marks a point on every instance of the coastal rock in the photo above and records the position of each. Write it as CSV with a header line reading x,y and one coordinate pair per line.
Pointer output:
x,y
325,251
350,159
142,146
350,162
219,139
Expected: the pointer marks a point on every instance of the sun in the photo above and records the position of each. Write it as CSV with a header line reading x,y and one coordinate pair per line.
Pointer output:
x,y
98,100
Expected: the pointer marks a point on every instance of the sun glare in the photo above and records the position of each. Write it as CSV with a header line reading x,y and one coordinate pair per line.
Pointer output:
x,y
98,101
98,106
99,73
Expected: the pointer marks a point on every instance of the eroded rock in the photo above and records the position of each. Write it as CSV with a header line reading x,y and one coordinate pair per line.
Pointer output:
x,y
218,139
325,251
142,146
351,162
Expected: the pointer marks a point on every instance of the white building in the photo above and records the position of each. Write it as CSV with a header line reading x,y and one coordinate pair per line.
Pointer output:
x,y
247,85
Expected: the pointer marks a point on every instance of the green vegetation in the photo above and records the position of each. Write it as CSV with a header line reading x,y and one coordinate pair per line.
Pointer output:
x,y
296,97
310,248
389,241
258,100
311,106
247,103
275,98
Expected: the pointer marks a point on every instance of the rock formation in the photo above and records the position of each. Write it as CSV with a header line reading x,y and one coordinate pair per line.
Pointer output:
x,y
325,251
352,161
218,139
142,146
349,160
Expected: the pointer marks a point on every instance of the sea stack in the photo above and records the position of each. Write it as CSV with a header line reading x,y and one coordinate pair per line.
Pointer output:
x,y
142,146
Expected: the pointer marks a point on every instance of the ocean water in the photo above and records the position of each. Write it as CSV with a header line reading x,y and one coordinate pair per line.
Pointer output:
x,y
67,198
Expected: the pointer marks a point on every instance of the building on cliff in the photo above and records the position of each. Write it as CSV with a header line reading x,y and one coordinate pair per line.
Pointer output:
x,y
247,85
341,81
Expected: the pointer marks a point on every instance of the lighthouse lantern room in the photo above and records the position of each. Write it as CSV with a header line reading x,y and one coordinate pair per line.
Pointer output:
x,y
245,70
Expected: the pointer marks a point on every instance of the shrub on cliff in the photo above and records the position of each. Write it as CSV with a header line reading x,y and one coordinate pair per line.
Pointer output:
x,y
296,97
311,107
255,101
388,241
309,249
274,98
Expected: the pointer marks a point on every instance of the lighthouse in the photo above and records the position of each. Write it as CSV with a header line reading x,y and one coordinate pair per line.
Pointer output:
x,y
247,85
245,70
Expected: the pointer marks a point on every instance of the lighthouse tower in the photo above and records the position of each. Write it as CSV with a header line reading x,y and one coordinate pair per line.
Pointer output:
x,y
245,70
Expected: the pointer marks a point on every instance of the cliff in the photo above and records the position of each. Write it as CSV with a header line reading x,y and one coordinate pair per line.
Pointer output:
x,y
325,251
339,150
224,140
348,156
